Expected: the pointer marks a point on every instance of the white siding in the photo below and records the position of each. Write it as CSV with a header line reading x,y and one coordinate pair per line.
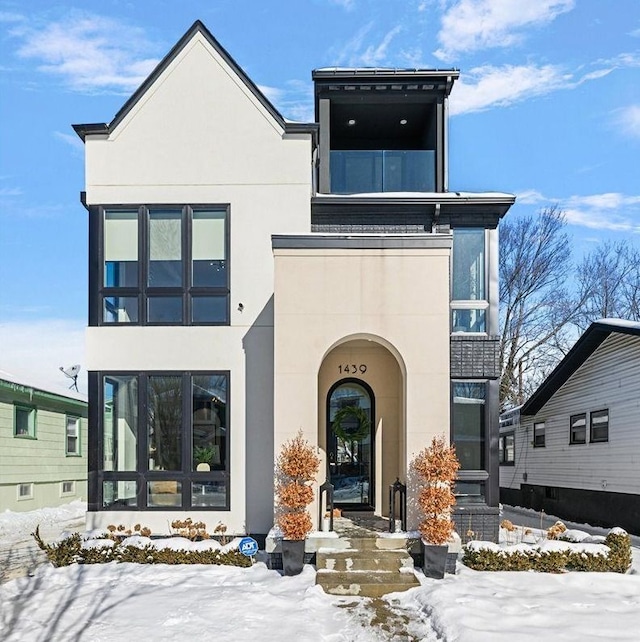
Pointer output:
x,y
609,379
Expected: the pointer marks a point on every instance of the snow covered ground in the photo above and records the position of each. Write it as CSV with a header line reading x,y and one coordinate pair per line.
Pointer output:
x,y
129,602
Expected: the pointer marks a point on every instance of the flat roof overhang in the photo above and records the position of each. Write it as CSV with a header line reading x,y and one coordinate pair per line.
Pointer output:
x,y
457,208
360,241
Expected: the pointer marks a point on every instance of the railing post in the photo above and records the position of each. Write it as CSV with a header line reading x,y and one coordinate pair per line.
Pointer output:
x,y
397,488
326,489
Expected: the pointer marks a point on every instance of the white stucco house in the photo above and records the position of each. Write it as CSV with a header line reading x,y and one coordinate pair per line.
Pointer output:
x,y
43,445
573,449
250,277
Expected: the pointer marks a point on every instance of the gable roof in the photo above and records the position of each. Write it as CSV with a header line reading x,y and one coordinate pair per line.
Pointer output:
x,y
197,27
584,347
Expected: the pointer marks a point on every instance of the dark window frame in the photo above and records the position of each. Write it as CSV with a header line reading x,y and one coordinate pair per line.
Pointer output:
x,y
539,440
591,438
503,459
30,409
572,429
142,291
142,475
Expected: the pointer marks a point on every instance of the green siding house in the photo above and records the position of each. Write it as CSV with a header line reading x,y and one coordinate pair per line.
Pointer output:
x,y
43,446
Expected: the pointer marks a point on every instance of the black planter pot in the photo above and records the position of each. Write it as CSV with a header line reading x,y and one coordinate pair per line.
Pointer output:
x,y
292,556
434,560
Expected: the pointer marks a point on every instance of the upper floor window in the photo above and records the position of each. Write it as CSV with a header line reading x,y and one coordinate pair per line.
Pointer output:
x,y
25,422
539,434
72,435
578,429
164,266
599,426
468,282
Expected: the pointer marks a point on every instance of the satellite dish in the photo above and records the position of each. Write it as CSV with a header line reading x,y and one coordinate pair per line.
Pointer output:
x,y
72,373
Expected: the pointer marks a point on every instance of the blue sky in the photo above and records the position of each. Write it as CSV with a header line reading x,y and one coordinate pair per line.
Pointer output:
x,y
547,107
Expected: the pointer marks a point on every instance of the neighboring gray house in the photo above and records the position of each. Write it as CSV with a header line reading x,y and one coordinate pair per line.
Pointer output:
x,y
43,446
249,276
573,449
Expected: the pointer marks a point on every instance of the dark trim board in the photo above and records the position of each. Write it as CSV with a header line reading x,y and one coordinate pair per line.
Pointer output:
x,y
598,508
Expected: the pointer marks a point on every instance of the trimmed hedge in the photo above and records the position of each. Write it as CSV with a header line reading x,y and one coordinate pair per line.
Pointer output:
x,y
70,551
617,560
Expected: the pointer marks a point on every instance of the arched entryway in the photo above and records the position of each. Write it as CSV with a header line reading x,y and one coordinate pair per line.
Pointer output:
x,y
351,443
365,374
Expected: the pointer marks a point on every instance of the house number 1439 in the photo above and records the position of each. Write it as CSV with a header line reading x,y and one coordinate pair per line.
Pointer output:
x,y
352,369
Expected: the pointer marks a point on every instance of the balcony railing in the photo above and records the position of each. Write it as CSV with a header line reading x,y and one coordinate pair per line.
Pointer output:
x,y
354,172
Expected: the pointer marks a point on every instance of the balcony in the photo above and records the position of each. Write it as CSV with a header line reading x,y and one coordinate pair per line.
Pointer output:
x,y
367,171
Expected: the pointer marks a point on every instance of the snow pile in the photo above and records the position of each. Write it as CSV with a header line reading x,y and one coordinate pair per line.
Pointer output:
x,y
14,526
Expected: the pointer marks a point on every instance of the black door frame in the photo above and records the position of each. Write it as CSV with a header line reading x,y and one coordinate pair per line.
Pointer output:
x,y
330,441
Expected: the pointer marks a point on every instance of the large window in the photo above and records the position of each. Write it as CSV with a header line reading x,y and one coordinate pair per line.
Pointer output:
x,y
469,300
25,422
164,440
599,426
578,429
164,266
468,424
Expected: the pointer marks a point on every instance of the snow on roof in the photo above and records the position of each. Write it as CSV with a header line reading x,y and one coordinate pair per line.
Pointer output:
x,y
61,392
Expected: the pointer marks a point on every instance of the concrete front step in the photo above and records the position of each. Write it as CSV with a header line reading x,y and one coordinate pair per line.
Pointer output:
x,y
365,583
363,560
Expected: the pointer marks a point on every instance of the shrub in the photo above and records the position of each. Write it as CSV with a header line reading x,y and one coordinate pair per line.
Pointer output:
x,y
437,466
70,551
483,556
296,470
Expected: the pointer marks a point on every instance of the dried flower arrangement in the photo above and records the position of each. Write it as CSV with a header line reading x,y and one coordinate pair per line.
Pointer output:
x,y
296,470
437,466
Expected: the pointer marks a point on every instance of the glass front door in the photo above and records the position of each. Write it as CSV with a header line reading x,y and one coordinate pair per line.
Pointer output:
x,y
350,419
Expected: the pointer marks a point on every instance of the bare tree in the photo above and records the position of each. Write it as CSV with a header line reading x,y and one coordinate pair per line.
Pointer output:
x,y
536,309
609,283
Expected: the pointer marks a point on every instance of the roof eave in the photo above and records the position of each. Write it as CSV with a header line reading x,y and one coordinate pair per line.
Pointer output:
x,y
583,348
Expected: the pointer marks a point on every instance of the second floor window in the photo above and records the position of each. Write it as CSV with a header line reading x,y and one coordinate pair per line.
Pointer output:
x,y
164,266
469,300
539,435
578,429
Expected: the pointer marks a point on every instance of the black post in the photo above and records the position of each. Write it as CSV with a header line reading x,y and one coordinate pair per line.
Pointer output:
x,y
327,488
394,489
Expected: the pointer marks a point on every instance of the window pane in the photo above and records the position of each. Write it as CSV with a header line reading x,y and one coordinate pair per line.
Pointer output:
x,y
510,450
120,423
212,494
468,265
165,248
578,425
208,249
468,321
164,493
120,309
119,493
469,492
539,434
165,422
121,248
209,395
600,425
468,424
25,422
72,436
209,309
164,309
